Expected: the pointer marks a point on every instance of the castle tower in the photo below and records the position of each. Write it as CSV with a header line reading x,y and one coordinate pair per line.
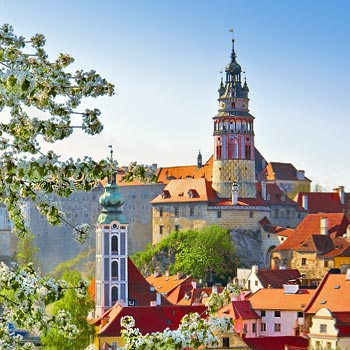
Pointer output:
x,y
234,136
111,251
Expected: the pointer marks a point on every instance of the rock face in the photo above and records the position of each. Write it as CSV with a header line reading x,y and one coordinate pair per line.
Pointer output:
x,y
248,247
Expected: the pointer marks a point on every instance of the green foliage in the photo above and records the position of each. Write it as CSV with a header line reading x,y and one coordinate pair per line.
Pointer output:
x,y
78,307
27,252
208,255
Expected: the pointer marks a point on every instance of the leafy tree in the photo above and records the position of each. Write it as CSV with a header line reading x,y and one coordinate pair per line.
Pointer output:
x,y
78,307
26,251
209,255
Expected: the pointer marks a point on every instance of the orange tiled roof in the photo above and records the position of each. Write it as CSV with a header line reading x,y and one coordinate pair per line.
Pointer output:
x,y
166,284
332,293
166,174
182,191
325,202
277,299
337,224
278,230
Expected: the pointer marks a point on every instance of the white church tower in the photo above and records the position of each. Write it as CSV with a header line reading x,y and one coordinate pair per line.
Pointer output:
x,y
111,251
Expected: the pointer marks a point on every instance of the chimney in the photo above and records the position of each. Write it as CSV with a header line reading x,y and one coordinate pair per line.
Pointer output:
x,y
255,268
341,194
263,190
234,191
324,226
301,174
305,203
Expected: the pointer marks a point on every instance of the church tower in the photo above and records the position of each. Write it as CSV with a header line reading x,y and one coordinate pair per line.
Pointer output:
x,y
234,136
111,251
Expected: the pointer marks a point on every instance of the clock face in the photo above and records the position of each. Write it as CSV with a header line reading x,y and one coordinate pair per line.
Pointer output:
x,y
222,105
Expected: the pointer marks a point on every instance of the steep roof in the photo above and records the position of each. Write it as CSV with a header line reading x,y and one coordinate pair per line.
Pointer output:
x,y
166,174
277,299
276,278
278,230
325,202
277,343
280,171
310,225
239,309
166,284
190,295
332,293
139,289
186,190
148,319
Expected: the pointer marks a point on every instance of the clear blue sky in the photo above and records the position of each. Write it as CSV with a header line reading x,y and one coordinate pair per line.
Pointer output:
x,y
165,57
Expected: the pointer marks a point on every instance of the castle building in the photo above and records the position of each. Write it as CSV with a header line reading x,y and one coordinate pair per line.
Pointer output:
x,y
226,190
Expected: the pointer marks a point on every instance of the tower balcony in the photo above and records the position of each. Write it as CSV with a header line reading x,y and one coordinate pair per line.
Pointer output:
x,y
233,131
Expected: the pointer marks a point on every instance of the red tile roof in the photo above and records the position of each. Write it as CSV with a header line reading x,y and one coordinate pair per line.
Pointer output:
x,y
280,171
139,289
240,309
278,230
277,343
337,224
325,202
148,319
277,278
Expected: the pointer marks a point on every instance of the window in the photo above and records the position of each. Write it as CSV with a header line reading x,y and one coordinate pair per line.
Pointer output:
x,y
328,345
191,211
277,327
245,329
303,261
114,294
251,214
276,213
300,314
114,269
256,283
161,212
317,344
225,342
176,212
325,263
277,313
262,313
161,229
263,327
218,214
114,244
114,345
254,327
323,328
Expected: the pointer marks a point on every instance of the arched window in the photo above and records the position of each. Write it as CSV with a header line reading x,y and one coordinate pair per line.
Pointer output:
x,y
244,125
114,244
114,269
218,152
238,124
114,294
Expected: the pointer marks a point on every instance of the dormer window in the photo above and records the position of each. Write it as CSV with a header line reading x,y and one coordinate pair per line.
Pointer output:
x,y
165,194
192,193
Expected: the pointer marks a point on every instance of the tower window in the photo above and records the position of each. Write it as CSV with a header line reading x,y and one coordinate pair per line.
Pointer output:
x,y
161,212
218,214
161,229
191,211
114,294
114,269
114,244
